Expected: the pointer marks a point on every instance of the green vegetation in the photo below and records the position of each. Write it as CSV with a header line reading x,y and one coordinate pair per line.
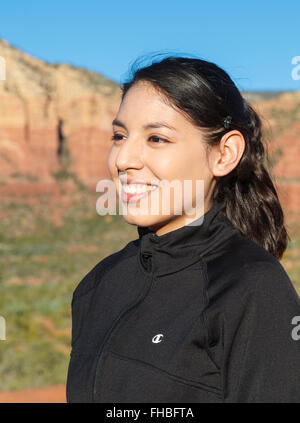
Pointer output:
x,y
291,257
44,253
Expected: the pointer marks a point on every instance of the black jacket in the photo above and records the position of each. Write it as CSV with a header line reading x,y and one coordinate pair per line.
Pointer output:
x,y
199,314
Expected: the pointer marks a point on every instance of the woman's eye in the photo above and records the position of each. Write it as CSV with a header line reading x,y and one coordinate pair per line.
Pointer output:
x,y
159,138
116,137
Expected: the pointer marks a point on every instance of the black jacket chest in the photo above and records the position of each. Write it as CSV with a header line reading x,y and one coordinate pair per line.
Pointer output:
x,y
138,337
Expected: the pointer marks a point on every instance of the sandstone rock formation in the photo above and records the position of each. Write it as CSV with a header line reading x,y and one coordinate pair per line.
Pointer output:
x,y
56,119
281,118
51,116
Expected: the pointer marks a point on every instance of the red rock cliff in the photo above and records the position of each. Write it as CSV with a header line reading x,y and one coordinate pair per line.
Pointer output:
x,y
52,115
55,118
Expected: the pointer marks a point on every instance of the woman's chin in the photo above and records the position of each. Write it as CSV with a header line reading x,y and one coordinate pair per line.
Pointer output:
x,y
143,220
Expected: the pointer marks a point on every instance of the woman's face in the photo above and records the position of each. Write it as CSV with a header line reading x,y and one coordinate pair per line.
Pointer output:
x,y
158,155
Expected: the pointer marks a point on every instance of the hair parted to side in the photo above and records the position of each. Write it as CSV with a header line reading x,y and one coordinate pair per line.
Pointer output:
x,y
206,95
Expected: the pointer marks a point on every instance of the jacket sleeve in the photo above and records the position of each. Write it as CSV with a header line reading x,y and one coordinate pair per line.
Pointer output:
x,y
263,354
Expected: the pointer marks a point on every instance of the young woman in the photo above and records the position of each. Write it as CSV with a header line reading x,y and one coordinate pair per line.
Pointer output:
x,y
198,308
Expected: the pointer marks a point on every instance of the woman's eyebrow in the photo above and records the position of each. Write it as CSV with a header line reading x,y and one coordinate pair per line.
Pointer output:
x,y
117,122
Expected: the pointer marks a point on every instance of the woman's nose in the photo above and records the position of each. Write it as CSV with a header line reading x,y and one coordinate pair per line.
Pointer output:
x,y
129,155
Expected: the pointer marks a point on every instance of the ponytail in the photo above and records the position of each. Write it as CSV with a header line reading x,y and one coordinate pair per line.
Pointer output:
x,y
248,197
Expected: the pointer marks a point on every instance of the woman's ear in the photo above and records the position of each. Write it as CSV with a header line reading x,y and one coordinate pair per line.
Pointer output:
x,y
225,156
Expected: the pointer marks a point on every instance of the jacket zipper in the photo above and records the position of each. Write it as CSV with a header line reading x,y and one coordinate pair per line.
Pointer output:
x,y
109,332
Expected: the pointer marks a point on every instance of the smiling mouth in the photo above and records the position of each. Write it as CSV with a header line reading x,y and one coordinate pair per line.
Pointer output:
x,y
134,192
134,189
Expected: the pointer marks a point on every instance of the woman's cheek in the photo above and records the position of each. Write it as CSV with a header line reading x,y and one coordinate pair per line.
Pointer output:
x,y
163,167
111,163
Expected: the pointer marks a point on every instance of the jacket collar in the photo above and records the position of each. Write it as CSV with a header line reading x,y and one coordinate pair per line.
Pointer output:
x,y
186,245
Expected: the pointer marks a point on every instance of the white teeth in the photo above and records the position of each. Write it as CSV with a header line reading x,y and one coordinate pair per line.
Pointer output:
x,y
137,188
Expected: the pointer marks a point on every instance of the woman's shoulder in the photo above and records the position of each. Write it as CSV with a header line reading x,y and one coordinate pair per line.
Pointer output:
x,y
95,275
270,281
249,269
252,292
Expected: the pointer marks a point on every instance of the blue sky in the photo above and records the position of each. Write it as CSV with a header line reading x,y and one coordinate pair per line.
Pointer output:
x,y
254,41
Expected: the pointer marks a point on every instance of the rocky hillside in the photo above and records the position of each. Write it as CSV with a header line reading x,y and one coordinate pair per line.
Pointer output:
x,y
55,120
281,119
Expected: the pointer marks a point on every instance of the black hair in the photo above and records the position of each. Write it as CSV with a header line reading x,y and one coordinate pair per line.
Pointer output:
x,y
206,95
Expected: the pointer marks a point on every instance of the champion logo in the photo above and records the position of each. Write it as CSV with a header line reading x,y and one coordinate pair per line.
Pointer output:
x,y
157,338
